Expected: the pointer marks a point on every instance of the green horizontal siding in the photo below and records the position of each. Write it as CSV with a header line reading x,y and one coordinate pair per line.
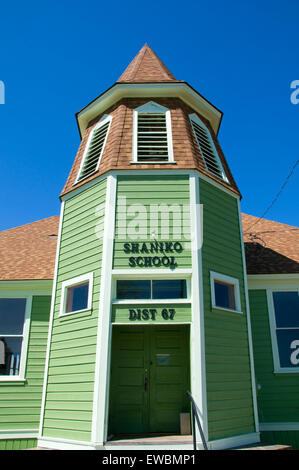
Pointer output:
x,y
277,394
146,193
121,313
17,444
20,403
287,438
228,374
70,385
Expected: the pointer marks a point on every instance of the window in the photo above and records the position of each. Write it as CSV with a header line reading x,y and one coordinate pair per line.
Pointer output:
x,y
207,147
225,292
14,320
76,294
151,289
94,149
285,332
152,140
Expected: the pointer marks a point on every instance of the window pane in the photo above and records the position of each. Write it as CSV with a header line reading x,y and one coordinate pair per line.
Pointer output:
x,y
133,289
12,314
10,354
170,289
77,297
286,306
224,295
288,347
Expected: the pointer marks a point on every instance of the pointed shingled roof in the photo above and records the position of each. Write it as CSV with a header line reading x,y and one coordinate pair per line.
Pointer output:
x,y
146,67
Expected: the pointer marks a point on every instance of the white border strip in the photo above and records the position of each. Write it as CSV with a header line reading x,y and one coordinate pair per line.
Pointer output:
x,y
197,332
102,366
279,426
250,344
18,434
51,322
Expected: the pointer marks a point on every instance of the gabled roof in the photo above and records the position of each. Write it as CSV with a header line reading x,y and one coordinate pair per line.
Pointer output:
x,y
270,247
28,252
146,67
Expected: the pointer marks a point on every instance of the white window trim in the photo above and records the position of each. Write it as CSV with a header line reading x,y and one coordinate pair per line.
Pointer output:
x,y
152,107
104,119
148,277
25,335
72,283
229,280
271,311
194,117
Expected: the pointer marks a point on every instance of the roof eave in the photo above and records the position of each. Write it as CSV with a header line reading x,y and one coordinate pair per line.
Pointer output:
x,y
177,89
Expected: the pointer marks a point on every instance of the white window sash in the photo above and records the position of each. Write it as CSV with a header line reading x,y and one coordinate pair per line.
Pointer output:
x,y
73,283
25,336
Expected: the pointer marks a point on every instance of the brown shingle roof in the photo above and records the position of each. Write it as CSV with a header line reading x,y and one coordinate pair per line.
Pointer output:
x,y
28,251
271,247
146,67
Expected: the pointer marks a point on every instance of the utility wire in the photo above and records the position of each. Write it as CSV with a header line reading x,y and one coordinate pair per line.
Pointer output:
x,y
276,197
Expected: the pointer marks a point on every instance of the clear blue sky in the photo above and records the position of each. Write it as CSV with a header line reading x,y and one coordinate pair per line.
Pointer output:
x,y
56,57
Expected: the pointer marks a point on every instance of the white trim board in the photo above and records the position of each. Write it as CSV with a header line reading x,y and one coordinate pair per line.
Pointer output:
x,y
151,91
51,321
18,434
140,172
250,341
197,332
287,426
102,366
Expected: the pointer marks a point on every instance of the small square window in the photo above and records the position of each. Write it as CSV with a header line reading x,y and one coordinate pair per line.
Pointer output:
x,y
76,294
225,292
224,295
77,298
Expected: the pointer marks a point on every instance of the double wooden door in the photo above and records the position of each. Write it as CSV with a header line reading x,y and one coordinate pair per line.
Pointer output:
x,y
149,379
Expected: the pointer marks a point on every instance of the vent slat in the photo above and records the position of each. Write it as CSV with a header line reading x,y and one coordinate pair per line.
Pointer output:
x,y
206,149
94,152
152,140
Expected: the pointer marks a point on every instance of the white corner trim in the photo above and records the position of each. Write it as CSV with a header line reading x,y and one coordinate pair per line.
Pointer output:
x,y
250,343
197,332
51,321
102,366
88,277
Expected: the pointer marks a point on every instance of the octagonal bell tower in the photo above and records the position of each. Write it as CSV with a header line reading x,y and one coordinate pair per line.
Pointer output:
x,y
150,291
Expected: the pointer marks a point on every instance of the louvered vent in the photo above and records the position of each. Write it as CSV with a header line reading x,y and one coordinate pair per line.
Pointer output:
x,y
207,149
95,151
152,143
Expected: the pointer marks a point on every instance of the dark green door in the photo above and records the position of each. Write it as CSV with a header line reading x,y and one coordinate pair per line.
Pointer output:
x,y
149,379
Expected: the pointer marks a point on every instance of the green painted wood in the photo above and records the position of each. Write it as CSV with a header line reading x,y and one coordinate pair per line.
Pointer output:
x,y
289,438
151,313
149,379
17,444
70,384
20,403
144,193
229,396
277,394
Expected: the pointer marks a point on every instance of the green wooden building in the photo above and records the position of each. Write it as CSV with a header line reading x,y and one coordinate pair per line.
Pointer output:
x,y
143,289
